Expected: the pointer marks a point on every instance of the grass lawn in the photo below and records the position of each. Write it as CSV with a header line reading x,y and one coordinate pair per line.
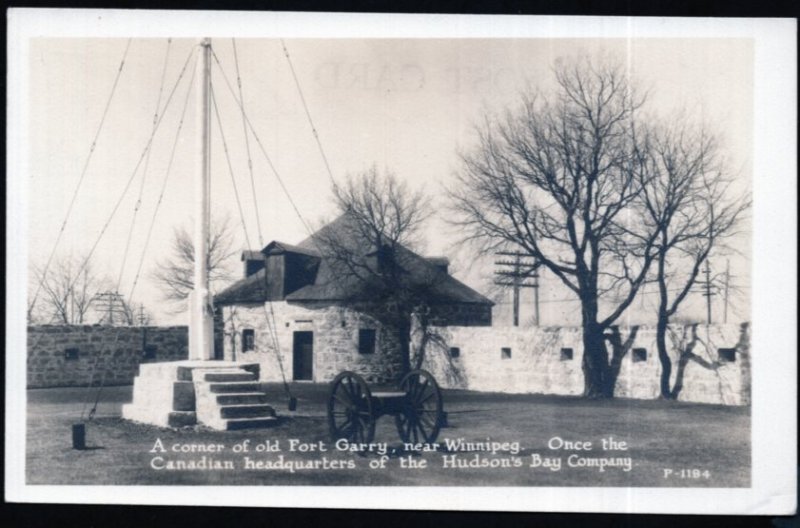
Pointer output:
x,y
713,440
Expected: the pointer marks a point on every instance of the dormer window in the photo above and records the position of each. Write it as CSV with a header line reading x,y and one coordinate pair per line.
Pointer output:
x,y
253,262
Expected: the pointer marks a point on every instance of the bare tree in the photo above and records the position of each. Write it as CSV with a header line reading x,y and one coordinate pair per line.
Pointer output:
x,y
175,273
690,204
70,287
555,178
369,247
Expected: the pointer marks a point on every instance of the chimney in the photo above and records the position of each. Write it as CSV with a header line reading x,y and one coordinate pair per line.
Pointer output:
x,y
441,263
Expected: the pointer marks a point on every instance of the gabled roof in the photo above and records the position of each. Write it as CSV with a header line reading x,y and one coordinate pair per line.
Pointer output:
x,y
276,248
251,289
332,284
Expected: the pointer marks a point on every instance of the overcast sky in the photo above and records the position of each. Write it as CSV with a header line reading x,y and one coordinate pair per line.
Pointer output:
x,y
402,105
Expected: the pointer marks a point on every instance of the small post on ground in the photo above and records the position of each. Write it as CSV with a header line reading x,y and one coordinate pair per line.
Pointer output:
x,y
79,436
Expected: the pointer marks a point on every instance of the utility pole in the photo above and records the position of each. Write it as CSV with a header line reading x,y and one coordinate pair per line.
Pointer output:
x,y
536,296
143,317
514,274
708,293
113,305
517,282
201,337
727,283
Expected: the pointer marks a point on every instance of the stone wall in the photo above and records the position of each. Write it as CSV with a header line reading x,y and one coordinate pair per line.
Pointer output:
x,y
547,360
460,314
72,356
335,340
543,360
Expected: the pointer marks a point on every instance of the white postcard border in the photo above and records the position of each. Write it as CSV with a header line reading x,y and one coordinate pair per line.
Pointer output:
x,y
774,391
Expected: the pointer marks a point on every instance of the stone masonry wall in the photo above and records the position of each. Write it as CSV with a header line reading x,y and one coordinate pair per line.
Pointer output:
x,y
335,340
547,360
460,314
108,353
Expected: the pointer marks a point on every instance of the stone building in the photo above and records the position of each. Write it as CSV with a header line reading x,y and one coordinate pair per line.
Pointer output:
x,y
300,315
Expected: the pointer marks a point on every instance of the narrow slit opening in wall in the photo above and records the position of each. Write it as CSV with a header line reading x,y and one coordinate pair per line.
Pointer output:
x,y
505,353
639,354
248,340
566,354
366,341
727,355
149,352
71,354
455,352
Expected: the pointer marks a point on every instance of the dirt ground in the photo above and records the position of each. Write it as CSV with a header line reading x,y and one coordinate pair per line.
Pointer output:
x,y
666,444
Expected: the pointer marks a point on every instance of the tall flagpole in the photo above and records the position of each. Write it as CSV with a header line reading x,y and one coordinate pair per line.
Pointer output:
x,y
201,328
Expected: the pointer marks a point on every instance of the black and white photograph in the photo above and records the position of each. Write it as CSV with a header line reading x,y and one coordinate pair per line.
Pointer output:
x,y
381,263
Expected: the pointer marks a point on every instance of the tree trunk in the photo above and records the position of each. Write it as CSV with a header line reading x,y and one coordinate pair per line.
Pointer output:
x,y
595,363
619,350
663,321
663,357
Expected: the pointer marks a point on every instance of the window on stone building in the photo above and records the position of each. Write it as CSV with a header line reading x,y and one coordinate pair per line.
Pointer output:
x,y
366,341
71,353
566,354
727,355
639,354
505,353
248,340
455,352
149,352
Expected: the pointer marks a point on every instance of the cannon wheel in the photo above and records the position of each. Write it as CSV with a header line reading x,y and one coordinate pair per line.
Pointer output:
x,y
422,416
350,409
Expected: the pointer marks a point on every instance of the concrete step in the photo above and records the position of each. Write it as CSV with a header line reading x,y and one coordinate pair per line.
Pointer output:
x,y
234,386
229,376
241,398
182,418
246,411
249,423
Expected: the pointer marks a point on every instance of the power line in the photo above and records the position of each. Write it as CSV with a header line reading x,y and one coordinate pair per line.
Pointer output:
x,y
163,184
230,168
308,114
127,185
138,164
247,145
82,176
269,314
138,203
124,192
261,146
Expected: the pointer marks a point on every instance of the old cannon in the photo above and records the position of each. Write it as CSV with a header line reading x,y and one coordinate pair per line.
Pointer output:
x,y
416,405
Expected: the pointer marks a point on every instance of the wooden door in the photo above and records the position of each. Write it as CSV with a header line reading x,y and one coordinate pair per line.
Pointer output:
x,y
303,356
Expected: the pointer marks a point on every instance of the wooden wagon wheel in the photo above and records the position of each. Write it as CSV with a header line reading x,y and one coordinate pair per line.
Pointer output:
x,y
350,409
421,418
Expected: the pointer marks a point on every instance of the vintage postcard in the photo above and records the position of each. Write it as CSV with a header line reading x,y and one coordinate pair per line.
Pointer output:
x,y
372,261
